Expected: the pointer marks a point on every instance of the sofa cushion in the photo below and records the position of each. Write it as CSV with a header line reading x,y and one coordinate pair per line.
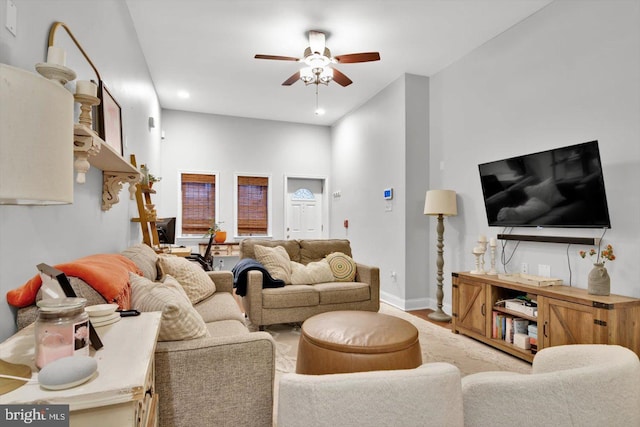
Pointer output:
x,y
317,249
343,267
291,246
290,297
312,273
145,258
226,328
276,260
343,292
219,306
180,321
196,283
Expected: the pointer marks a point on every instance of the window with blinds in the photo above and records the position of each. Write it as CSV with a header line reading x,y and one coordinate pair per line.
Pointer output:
x,y
198,202
253,206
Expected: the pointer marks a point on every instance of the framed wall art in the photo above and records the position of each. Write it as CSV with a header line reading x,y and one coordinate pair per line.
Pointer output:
x,y
108,119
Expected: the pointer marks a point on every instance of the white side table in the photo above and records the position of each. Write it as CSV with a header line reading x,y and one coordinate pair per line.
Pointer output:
x,y
123,392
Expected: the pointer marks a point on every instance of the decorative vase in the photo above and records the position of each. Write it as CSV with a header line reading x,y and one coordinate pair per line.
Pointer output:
x,y
220,236
599,282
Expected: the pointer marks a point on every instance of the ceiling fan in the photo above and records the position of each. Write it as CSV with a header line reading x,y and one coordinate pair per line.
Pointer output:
x,y
319,67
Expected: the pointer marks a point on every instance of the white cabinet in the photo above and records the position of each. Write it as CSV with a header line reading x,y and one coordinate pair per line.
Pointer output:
x,y
123,392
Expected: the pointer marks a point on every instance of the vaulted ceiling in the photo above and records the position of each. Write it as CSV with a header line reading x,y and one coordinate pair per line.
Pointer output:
x,y
207,48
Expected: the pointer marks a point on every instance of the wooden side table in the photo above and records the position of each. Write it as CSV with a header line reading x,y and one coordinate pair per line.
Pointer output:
x,y
123,392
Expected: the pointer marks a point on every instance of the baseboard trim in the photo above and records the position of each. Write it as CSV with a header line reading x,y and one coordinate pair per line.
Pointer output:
x,y
413,304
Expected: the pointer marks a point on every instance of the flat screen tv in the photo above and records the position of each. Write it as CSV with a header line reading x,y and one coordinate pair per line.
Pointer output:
x,y
166,230
562,187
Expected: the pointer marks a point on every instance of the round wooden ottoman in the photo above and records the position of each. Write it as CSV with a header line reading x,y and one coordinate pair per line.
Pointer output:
x,y
356,341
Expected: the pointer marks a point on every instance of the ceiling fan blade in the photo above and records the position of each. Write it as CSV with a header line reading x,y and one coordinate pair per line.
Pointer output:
x,y
276,57
316,42
291,80
340,78
358,57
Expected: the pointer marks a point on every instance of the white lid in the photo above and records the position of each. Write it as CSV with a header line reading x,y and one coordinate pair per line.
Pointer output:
x,y
61,304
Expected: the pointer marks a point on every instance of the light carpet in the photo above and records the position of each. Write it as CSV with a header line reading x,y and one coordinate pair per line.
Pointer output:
x,y
438,345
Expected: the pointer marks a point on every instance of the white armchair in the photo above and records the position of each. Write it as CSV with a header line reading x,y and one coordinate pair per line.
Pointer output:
x,y
429,395
571,385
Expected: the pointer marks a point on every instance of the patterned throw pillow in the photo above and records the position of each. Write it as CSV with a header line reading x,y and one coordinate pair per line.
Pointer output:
x,y
276,260
196,283
180,321
342,266
145,258
312,273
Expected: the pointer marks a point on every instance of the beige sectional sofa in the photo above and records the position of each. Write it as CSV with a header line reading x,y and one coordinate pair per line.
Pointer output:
x,y
296,303
226,378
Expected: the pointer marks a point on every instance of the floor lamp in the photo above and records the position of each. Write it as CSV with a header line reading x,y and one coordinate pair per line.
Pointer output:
x,y
441,203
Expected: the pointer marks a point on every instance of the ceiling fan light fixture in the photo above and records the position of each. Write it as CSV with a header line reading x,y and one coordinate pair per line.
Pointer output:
x,y
306,75
326,75
315,60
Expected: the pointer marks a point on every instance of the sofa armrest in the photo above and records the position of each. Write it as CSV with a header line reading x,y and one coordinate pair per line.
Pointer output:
x,y
370,275
252,301
216,381
222,279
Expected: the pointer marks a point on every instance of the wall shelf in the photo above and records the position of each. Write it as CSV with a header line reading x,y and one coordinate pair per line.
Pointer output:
x,y
91,150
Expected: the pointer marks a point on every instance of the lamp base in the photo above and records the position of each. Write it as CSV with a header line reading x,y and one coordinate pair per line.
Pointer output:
x,y
439,316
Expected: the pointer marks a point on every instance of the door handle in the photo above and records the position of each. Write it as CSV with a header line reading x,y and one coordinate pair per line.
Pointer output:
x,y
544,330
482,309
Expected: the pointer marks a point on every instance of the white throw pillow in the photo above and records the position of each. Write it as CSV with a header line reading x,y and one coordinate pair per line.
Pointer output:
x,y
312,273
276,260
180,321
342,266
196,283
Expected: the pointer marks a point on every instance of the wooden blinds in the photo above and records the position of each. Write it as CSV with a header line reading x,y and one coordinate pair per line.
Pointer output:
x,y
252,205
198,202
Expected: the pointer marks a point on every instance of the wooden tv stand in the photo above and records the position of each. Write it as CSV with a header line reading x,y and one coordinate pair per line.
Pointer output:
x,y
566,315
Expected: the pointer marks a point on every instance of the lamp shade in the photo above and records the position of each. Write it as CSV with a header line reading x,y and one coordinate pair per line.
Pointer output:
x,y
36,139
440,202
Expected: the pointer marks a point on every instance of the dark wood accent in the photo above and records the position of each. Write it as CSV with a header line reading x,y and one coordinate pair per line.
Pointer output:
x,y
551,239
423,314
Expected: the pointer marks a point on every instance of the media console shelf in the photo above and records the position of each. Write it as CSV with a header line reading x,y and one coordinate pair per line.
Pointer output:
x,y
566,315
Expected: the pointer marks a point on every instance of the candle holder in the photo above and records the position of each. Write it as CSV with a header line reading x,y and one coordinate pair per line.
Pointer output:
x,y
479,252
55,72
86,104
84,143
492,248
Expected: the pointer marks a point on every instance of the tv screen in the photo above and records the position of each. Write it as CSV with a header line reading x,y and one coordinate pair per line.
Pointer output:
x,y
166,230
563,187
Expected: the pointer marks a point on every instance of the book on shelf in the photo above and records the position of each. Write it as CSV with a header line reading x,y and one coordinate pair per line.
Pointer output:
x,y
504,326
508,329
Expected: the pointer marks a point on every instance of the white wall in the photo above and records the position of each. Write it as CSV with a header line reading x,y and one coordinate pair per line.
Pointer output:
x,y
377,146
55,234
566,75
230,145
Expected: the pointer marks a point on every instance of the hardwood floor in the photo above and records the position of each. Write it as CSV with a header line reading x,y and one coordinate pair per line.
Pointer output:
x,y
423,314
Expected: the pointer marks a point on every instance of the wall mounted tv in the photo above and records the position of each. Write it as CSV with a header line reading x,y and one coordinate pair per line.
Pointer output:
x,y
562,187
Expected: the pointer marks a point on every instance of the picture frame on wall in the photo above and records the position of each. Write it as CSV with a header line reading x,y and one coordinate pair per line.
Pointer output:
x,y
108,119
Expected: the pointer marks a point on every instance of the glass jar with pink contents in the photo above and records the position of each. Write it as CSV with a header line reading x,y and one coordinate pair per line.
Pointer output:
x,y
62,329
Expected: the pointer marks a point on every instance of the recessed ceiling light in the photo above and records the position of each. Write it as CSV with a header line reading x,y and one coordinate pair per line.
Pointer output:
x,y
183,94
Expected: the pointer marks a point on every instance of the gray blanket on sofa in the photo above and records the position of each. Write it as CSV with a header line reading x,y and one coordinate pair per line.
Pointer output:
x,y
240,271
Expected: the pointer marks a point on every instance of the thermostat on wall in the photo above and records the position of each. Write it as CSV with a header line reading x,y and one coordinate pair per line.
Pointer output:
x,y
388,193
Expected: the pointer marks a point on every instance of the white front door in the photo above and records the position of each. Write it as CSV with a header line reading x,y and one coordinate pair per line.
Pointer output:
x,y
304,210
